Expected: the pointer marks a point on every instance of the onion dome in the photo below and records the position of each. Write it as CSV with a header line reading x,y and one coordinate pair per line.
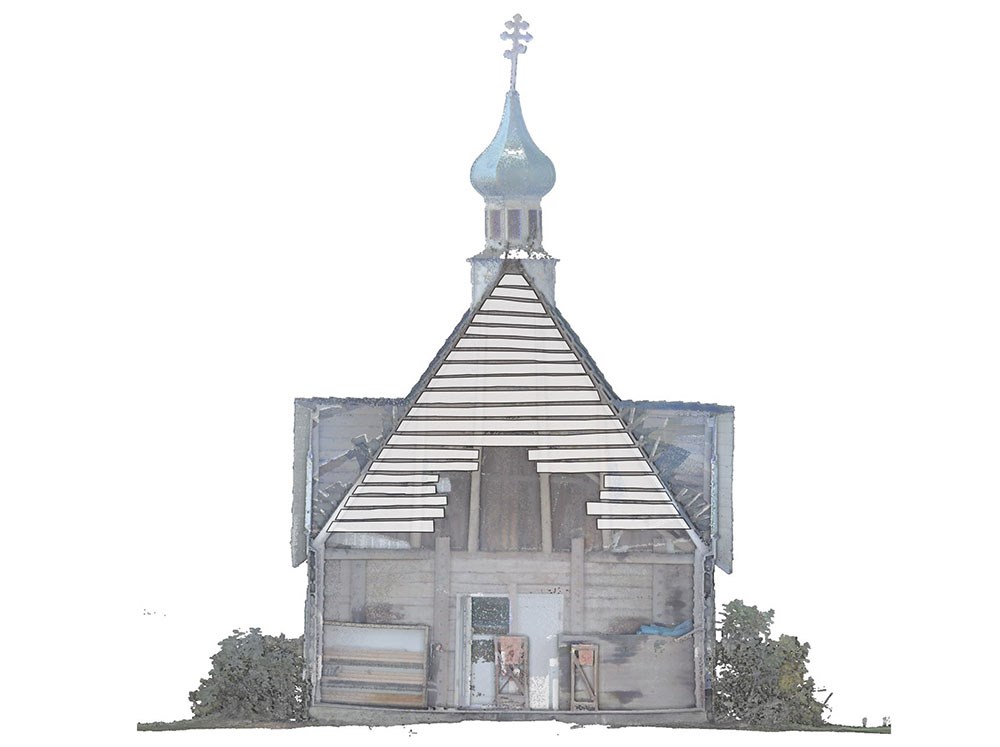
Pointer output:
x,y
513,174
512,166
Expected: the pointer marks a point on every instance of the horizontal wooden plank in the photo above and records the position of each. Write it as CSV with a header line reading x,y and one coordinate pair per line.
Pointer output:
x,y
490,425
596,584
540,410
405,554
539,381
510,355
393,452
499,588
500,304
599,508
632,481
371,697
408,512
503,291
641,558
382,526
513,279
506,368
521,396
622,452
594,466
431,465
384,656
471,579
635,495
521,344
619,523
375,675
618,591
362,501
379,478
394,490
511,319
543,333
531,439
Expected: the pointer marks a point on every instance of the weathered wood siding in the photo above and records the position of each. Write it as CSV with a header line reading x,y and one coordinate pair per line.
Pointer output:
x,y
606,597
637,672
400,591
618,597
380,591
495,573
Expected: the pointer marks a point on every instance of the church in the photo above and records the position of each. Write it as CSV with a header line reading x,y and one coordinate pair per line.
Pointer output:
x,y
512,540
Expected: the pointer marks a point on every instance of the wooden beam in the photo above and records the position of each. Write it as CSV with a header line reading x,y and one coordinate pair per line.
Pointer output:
x,y
643,558
369,554
576,585
546,501
699,628
515,623
474,511
314,621
441,645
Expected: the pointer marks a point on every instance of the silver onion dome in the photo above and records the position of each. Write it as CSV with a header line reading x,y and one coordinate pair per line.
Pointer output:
x,y
512,165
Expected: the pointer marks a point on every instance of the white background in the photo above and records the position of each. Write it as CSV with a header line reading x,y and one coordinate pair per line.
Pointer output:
x,y
211,208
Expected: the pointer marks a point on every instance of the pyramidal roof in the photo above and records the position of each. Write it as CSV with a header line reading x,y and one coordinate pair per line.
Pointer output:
x,y
512,375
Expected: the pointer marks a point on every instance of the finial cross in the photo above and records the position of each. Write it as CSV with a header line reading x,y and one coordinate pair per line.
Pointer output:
x,y
515,36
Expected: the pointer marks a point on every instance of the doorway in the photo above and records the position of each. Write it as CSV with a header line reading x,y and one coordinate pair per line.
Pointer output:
x,y
485,618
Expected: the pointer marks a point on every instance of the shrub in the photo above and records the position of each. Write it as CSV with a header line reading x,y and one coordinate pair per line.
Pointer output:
x,y
254,677
760,680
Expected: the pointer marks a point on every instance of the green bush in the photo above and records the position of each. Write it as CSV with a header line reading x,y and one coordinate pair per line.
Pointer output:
x,y
759,680
254,677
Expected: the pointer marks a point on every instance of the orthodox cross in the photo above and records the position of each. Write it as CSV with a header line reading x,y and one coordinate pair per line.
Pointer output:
x,y
515,36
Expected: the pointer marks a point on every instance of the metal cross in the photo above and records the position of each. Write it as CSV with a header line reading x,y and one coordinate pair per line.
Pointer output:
x,y
514,35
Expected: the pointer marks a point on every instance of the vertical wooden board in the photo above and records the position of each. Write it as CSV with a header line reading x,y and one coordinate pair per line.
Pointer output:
x,y
577,588
546,500
514,613
441,632
358,593
451,697
699,623
510,501
568,496
474,487
456,518
724,457
302,434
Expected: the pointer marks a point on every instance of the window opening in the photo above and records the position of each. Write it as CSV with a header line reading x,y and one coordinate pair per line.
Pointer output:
x,y
496,227
513,224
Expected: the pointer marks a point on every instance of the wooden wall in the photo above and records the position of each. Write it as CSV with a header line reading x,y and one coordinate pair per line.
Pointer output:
x,y
605,595
637,672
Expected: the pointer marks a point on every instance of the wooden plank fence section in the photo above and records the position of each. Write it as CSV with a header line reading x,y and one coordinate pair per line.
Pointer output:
x,y
355,674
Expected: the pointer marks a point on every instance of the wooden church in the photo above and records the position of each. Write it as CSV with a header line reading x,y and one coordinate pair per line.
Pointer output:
x,y
512,540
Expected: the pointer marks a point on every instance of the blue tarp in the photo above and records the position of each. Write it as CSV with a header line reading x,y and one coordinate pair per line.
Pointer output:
x,y
675,632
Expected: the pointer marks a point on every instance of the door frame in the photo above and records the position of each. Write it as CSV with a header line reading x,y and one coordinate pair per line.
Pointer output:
x,y
464,638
